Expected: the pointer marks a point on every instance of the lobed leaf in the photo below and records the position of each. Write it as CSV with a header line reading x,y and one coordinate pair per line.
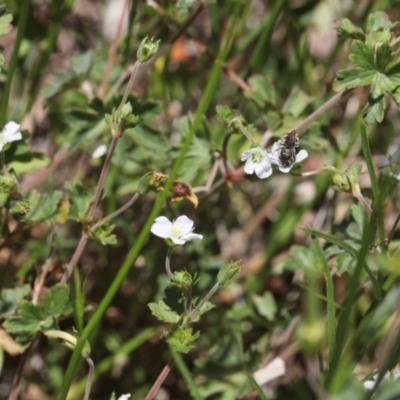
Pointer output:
x,y
346,30
44,207
80,199
362,55
11,298
164,313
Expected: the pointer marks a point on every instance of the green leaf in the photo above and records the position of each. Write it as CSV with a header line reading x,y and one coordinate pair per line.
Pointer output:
x,y
344,262
360,216
352,78
80,199
149,138
5,20
181,339
266,305
56,302
28,319
362,55
29,162
262,92
207,306
296,102
380,84
225,114
62,82
32,319
301,258
164,313
346,30
103,233
378,28
10,299
82,63
44,207
374,111
383,56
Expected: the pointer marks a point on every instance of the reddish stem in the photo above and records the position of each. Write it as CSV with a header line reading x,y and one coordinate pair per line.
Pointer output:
x,y
160,380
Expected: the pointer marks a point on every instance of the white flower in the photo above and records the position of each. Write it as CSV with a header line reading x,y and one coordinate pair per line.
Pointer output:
x,y
100,151
179,231
258,162
124,397
10,133
276,159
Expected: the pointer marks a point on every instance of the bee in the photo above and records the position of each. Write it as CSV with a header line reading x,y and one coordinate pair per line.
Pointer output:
x,y
288,145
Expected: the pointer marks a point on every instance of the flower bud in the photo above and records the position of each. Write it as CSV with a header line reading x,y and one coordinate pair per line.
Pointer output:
x,y
147,49
183,281
228,273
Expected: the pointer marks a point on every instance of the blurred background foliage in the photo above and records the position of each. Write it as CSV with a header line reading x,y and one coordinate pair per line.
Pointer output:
x,y
72,67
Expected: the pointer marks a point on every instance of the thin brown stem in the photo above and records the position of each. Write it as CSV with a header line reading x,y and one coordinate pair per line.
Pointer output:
x,y
211,177
161,378
75,258
363,202
321,110
117,212
102,178
17,379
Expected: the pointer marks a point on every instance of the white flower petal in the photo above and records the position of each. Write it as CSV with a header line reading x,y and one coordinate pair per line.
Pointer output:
x,y
14,137
177,240
258,161
162,227
301,156
246,155
10,129
369,385
285,170
191,236
249,167
9,133
263,171
185,224
124,397
179,231
100,151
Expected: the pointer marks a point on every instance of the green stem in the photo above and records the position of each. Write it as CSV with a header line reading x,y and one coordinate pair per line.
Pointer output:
x,y
204,105
168,264
374,182
330,305
343,327
205,299
129,86
22,21
89,379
